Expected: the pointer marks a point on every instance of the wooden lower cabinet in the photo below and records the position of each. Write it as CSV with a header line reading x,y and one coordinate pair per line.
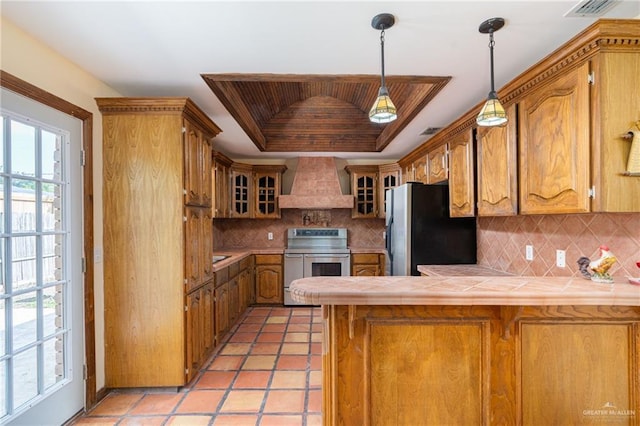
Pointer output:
x,y
269,279
473,365
367,264
222,324
587,371
199,330
234,293
234,300
246,287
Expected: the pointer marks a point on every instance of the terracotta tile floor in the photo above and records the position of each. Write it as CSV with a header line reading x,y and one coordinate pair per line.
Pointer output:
x,y
267,372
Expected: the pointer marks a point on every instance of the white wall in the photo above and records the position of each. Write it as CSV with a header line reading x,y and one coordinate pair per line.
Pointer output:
x,y
34,62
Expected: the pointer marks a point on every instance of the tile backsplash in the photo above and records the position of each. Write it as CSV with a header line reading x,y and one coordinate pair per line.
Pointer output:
x,y
502,241
240,233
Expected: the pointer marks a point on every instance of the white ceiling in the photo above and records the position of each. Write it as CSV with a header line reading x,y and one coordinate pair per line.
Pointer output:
x,y
160,48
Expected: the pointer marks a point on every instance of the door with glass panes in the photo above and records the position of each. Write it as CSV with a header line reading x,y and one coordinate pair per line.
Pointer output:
x,y
41,297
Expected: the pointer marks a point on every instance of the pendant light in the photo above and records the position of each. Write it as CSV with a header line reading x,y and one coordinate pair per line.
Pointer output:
x,y
383,110
492,113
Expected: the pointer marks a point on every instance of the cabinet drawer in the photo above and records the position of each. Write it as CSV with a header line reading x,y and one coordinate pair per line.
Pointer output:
x,y
221,276
268,259
371,258
234,268
245,263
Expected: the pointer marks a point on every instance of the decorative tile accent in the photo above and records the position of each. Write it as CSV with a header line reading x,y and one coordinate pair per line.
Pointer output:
x,y
502,241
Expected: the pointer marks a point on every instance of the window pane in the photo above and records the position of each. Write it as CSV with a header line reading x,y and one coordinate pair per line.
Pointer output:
x,y
2,120
3,262
52,247
1,204
25,317
3,388
23,262
51,213
23,205
51,165
52,299
3,329
25,377
53,361
23,149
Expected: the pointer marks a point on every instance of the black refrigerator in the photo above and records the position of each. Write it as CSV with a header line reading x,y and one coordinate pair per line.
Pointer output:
x,y
419,230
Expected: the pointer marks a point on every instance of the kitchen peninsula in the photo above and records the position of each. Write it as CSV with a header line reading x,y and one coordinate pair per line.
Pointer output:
x,y
477,350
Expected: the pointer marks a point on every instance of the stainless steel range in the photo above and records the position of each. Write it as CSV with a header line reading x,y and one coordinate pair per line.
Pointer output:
x,y
313,252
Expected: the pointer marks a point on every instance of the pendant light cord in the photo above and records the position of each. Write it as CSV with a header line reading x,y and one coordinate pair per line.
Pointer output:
x,y
491,44
382,60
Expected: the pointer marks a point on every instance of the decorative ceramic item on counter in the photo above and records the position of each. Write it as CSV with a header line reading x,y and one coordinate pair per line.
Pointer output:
x,y
597,270
635,281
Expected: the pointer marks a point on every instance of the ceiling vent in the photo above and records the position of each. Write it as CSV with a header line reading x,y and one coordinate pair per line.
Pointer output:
x,y
591,8
430,131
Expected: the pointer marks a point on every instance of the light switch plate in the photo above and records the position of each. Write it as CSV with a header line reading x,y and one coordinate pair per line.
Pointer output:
x,y
270,236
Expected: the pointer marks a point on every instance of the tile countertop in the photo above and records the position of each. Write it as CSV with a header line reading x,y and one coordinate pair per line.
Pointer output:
x,y
463,290
460,270
235,255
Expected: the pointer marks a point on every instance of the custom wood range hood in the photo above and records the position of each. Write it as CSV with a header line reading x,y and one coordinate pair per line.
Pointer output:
x,y
316,186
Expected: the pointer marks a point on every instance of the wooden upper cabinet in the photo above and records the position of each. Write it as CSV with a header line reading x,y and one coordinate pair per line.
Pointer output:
x,y
266,195
420,170
554,145
267,188
461,175
389,177
220,175
206,190
192,253
408,174
197,166
437,165
364,187
157,245
206,245
241,191
497,168
615,109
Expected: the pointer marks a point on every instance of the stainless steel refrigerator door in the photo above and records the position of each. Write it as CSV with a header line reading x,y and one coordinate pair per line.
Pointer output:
x,y
401,231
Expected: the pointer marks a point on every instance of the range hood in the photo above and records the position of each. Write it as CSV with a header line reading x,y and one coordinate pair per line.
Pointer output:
x,y
316,186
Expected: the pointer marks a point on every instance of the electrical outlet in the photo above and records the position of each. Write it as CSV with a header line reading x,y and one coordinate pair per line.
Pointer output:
x,y
560,258
270,236
528,252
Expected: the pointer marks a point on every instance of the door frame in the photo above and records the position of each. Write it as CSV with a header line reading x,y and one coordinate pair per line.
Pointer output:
x,y
15,84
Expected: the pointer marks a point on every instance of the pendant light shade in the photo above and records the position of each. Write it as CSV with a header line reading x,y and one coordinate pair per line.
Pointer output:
x,y
492,113
383,109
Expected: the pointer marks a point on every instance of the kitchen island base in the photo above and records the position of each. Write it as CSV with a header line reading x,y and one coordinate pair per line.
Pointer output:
x,y
481,365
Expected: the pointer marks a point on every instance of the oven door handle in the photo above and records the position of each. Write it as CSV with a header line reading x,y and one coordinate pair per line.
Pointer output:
x,y
329,256
293,255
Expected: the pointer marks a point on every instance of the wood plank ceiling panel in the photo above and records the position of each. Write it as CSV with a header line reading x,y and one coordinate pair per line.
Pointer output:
x,y
317,113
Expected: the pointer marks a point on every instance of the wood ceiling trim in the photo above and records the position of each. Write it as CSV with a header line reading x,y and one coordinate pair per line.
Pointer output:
x,y
232,101
275,112
415,103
